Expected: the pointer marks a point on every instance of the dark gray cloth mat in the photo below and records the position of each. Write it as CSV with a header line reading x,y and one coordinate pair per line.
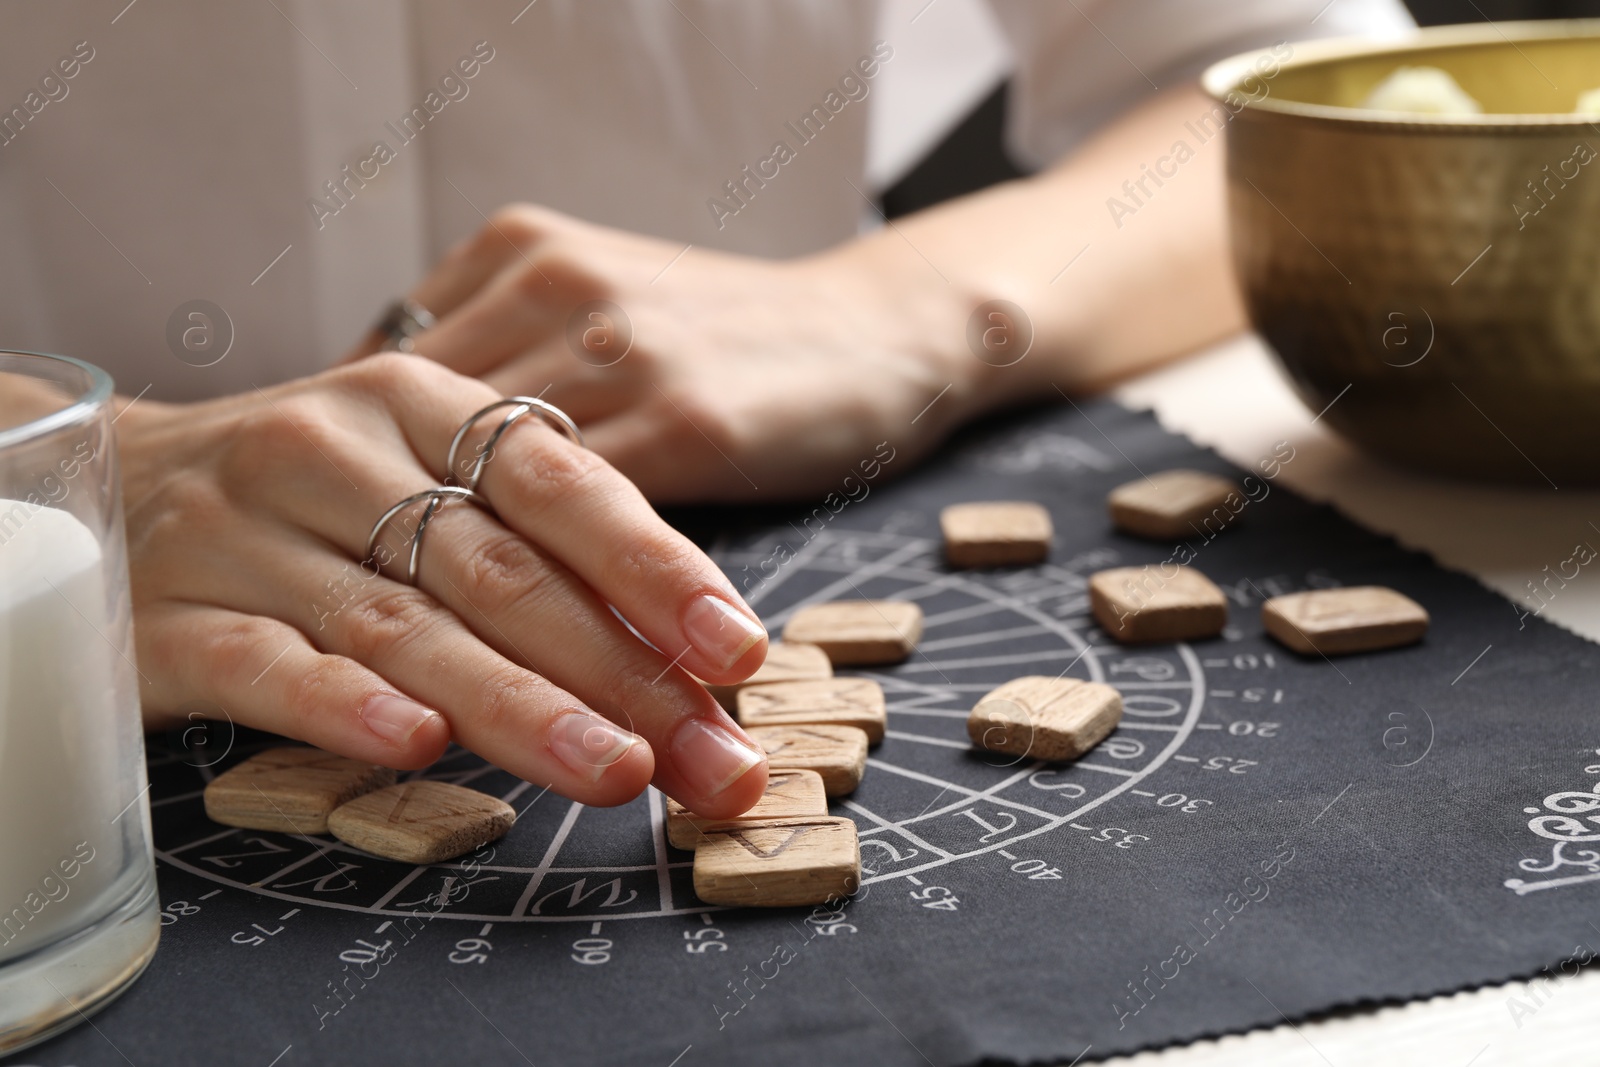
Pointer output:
x,y
1363,854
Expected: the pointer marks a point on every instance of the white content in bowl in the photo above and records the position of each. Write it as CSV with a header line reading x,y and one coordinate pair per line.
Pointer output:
x,y
1422,90
1588,103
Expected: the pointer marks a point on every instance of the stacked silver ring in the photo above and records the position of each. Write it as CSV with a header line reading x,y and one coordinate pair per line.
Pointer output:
x,y
439,495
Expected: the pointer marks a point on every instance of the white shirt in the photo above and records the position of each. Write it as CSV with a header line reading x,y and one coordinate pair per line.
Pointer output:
x,y
185,156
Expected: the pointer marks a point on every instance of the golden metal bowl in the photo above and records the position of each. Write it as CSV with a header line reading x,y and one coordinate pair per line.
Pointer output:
x,y
1430,283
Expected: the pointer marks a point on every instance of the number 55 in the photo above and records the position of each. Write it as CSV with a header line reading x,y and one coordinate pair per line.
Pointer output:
x,y
698,945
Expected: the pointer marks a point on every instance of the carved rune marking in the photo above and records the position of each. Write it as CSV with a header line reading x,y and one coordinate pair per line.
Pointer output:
x,y
794,834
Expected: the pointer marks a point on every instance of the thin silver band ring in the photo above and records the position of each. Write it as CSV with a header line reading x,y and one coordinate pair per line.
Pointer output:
x,y
553,416
436,498
403,320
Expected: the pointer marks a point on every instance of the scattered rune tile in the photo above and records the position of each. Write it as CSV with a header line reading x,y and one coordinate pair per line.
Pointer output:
x,y
1045,718
422,821
1338,621
855,702
788,793
1173,505
837,753
995,534
292,790
1138,605
787,661
777,863
859,632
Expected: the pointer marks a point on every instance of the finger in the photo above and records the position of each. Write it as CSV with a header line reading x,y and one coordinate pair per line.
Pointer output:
x,y
647,446
586,393
526,605
581,510
512,234
265,674
521,306
417,392
548,636
577,509
504,712
510,715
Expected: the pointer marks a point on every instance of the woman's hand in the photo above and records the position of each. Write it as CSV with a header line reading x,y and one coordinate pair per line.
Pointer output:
x,y
728,377
247,517
703,375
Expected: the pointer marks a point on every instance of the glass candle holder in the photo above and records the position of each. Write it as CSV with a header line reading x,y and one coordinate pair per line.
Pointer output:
x,y
79,915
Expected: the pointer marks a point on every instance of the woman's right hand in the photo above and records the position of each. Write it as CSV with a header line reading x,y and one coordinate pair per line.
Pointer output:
x,y
247,517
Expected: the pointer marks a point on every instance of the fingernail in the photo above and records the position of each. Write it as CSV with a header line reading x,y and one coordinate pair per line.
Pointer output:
x,y
394,718
719,630
710,757
587,744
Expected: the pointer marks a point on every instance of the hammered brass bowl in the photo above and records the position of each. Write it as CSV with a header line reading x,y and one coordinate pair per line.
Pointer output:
x,y
1430,283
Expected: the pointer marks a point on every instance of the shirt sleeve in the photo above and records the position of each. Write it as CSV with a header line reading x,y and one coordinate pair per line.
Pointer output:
x,y
1080,63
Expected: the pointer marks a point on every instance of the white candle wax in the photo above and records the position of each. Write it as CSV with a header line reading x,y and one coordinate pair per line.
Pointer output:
x,y
61,784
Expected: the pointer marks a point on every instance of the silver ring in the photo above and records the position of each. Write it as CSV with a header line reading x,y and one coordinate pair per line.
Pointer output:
x,y
405,319
436,498
553,416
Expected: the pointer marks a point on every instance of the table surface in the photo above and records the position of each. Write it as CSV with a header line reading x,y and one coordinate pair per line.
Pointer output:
x,y
1233,398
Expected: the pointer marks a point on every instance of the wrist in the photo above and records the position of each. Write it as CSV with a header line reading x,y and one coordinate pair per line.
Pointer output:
x,y
147,442
900,306
132,414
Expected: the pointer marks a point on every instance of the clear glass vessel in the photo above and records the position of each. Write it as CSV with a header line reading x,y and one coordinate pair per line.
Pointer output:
x,y
79,915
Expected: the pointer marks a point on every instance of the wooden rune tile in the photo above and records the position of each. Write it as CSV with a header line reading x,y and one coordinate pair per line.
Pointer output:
x,y
1338,621
292,790
859,632
1045,718
788,793
1137,605
855,702
787,661
1173,505
778,863
422,821
837,753
995,534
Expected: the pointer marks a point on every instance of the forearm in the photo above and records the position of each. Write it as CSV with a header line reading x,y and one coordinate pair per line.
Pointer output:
x,y
1144,285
